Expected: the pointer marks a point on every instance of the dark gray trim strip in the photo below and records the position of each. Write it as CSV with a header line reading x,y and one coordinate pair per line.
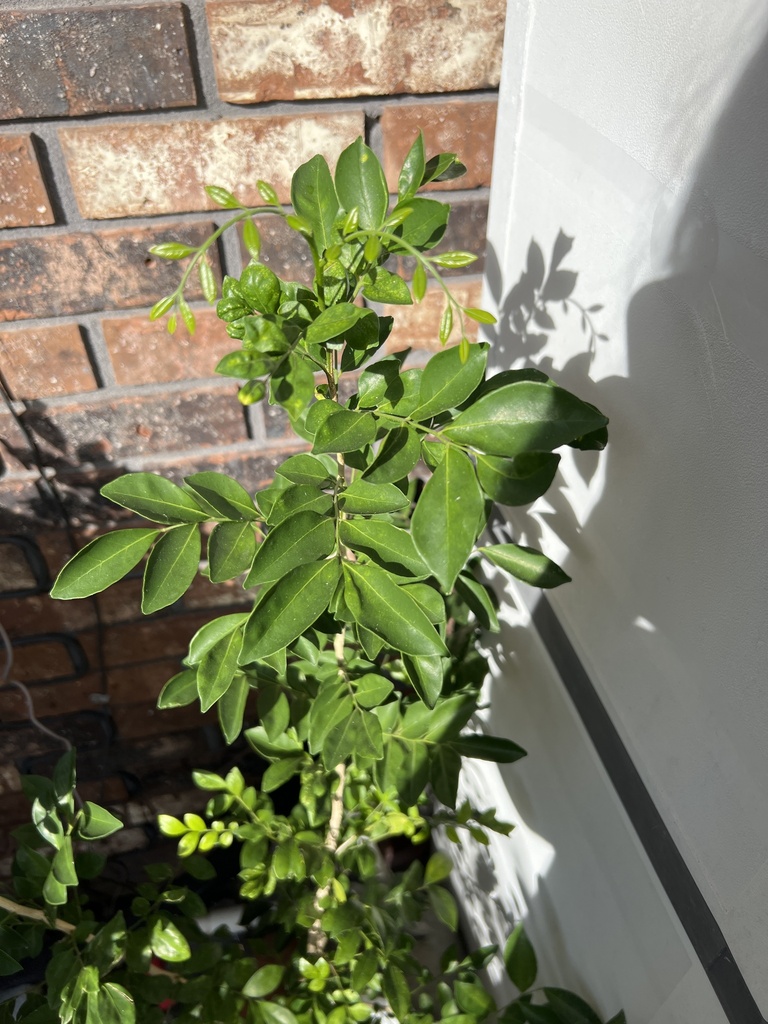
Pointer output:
x,y
685,896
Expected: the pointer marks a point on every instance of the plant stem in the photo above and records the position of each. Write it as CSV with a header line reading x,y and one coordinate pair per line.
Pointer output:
x,y
317,938
35,915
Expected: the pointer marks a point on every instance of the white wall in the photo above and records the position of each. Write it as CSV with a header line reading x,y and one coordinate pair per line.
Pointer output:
x,y
640,127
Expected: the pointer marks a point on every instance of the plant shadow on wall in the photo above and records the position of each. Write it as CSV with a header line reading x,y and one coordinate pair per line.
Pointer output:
x,y
360,652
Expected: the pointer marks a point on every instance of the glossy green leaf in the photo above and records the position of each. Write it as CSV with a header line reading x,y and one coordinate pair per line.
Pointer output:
x,y
231,548
428,598
217,668
290,607
526,416
102,562
299,539
231,707
260,287
413,170
283,746
403,396
222,197
447,381
168,943
245,364
179,691
399,453
369,499
345,431
154,498
63,863
54,891
570,1008
304,468
332,703
391,547
426,676
519,480
275,1013
251,238
360,183
520,958
526,564
488,748
298,498
437,869
315,200
264,981
358,735
372,689
447,517
478,600
114,1005
277,774
222,495
385,286
472,998
425,225
381,606
444,772
335,322
210,634
171,568
444,907
396,990
97,822
446,324
274,709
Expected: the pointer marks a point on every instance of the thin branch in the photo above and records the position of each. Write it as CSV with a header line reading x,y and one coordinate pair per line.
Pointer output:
x,y
317,939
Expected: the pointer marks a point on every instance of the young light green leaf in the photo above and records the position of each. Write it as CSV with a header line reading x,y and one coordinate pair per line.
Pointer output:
x,y
102,562
161,306
168,943
454,259
222,197
419,282
222,495
155,498
412,171
438,868
97,822
186,315
447,517
290,607
179,691
251,238
377,603
217,668
264,981
170,568
231,549
517,481
207,281
527,416
301,538
315,200
481,316
446,324
114,1005
267,193
520,958
447,380
171,250
360,183
527,564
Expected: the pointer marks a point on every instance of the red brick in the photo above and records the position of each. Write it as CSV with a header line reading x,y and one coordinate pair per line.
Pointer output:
x,y
144,353
219,597
139,720
48,657
23,195
283,250
417,326
151,639
21,567
43,361
139,169
53,698
137,684
464,127
282,49
24,616
106,430
84,273
68,63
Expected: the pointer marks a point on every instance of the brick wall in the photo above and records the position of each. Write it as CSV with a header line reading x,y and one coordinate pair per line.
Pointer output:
x,y
112,118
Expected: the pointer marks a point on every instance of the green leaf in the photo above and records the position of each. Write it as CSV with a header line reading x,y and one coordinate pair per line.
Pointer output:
x,y
336,322
168,943
419,282
570,1008
365,967
161,307
380,605
426,676
345,431
171,568
267,193
412,171
477,598
54,891
526,416
261,288
472,998
274,1013
210,634
222,197
360,183
385,286
280,772
251,239
217,668
8,965
519,480
372,690
520,958
231,707
480,316
309,469
488,748
447,518
179,691
171,250
97,822
63,863
274,709
454,259
444,771
399,453
207,283
446,324
369,499
155,498
396,990
332,703
357,735
526,564
114,1005
447,381
64,776
264,981
443,167
428,598
231,549
102,562
299,498
444,907
425,225
301,538
290,607
314,199
437,869
619,1018
245,364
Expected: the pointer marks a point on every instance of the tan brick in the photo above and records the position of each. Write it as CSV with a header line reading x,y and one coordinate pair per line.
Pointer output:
x,y
465,127
285,49
145,168
44,361
86,272
143,352
23,195
416,326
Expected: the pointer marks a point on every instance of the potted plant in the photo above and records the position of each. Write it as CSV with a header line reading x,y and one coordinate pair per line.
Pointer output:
x,y
356,672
